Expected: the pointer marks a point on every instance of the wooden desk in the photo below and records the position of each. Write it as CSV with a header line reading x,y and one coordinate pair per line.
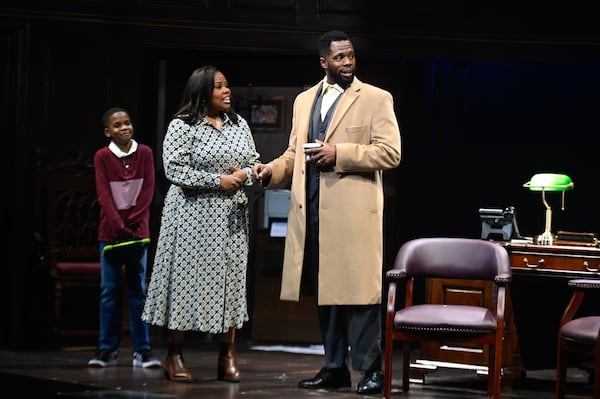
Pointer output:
x,y
273,319
540,294
537,297
555,260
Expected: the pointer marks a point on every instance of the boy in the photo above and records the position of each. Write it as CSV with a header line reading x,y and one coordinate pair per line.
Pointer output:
x,y
125,187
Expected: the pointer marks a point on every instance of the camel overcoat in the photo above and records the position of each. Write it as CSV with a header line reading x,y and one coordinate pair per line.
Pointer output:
x,y
366,133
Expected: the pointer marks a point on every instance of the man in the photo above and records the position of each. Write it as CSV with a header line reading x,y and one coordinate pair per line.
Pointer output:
x,y
334,244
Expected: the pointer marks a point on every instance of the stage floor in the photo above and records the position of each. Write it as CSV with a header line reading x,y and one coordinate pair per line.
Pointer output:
x,y
268,371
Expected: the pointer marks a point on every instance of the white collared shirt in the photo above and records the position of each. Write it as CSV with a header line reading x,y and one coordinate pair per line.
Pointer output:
x,y
120,154
330,94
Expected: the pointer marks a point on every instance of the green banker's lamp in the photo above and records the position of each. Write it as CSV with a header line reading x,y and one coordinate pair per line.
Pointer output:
x,y
549,182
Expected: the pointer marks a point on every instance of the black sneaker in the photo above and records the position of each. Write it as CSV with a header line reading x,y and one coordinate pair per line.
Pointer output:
x,y
145,359
104,358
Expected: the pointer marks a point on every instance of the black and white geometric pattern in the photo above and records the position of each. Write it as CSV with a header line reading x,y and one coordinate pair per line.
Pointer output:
x,y
198,280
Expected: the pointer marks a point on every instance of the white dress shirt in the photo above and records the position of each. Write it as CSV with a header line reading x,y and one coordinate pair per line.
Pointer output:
x,y
330,94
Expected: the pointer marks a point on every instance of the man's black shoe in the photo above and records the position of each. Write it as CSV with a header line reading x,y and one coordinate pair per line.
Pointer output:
x,y
372,383
328,378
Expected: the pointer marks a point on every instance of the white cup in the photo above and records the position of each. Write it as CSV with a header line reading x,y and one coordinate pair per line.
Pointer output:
x,y
308,146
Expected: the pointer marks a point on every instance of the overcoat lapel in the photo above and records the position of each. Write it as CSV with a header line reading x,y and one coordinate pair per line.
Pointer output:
x,y
346,101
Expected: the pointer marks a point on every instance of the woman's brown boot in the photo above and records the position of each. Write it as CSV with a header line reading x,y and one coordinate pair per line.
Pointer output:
x,y
227,369
175,368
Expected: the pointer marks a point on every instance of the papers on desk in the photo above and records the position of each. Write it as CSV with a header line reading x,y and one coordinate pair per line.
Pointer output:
x,y
521,241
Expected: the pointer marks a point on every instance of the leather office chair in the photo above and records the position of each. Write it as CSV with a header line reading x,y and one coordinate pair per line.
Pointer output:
x,y
578,336
448,258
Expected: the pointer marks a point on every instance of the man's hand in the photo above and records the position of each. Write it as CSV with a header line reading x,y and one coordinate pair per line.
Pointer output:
x,y
261,173
323,156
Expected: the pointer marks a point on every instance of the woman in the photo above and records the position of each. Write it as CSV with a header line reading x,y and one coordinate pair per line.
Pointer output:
x,y
198,279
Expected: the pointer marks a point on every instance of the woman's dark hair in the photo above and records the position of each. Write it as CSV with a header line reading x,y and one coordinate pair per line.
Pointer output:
x,y
106,116
197,94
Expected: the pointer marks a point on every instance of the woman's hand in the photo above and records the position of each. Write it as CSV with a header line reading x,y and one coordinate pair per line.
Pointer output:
x,y
232,182
240,173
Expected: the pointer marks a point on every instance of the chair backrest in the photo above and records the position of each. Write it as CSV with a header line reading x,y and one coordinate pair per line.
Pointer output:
x,y
73,211
450,257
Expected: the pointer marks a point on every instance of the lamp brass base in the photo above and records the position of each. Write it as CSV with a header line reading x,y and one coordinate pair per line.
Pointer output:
x,y
545,238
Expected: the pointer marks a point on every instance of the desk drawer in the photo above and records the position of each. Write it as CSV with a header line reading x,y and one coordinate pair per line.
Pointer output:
x,y
544,261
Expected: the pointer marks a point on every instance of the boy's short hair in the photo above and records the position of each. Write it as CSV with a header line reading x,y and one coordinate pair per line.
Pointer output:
x,y
108,114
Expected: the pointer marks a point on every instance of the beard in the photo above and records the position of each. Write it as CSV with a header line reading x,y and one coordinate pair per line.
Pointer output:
x,y
343,81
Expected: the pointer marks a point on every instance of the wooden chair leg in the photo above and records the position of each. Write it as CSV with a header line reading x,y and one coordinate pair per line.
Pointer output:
x,y
387,367
491,371
561,371
597,372
497,375
406,366
57,314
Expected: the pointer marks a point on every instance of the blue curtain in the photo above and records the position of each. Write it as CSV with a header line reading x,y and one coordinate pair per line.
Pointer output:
x,y
475,130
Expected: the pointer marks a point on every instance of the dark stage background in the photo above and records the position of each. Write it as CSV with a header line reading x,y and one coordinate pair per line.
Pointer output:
x,y
486,94
474,131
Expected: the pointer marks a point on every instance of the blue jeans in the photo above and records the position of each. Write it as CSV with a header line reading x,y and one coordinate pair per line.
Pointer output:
x,y
134,260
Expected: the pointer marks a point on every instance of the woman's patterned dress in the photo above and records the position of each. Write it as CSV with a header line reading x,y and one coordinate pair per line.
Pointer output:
x,y
198,279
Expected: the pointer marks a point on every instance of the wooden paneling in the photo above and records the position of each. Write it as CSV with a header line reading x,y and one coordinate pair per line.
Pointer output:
x,y
476,293
435,28
263,4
